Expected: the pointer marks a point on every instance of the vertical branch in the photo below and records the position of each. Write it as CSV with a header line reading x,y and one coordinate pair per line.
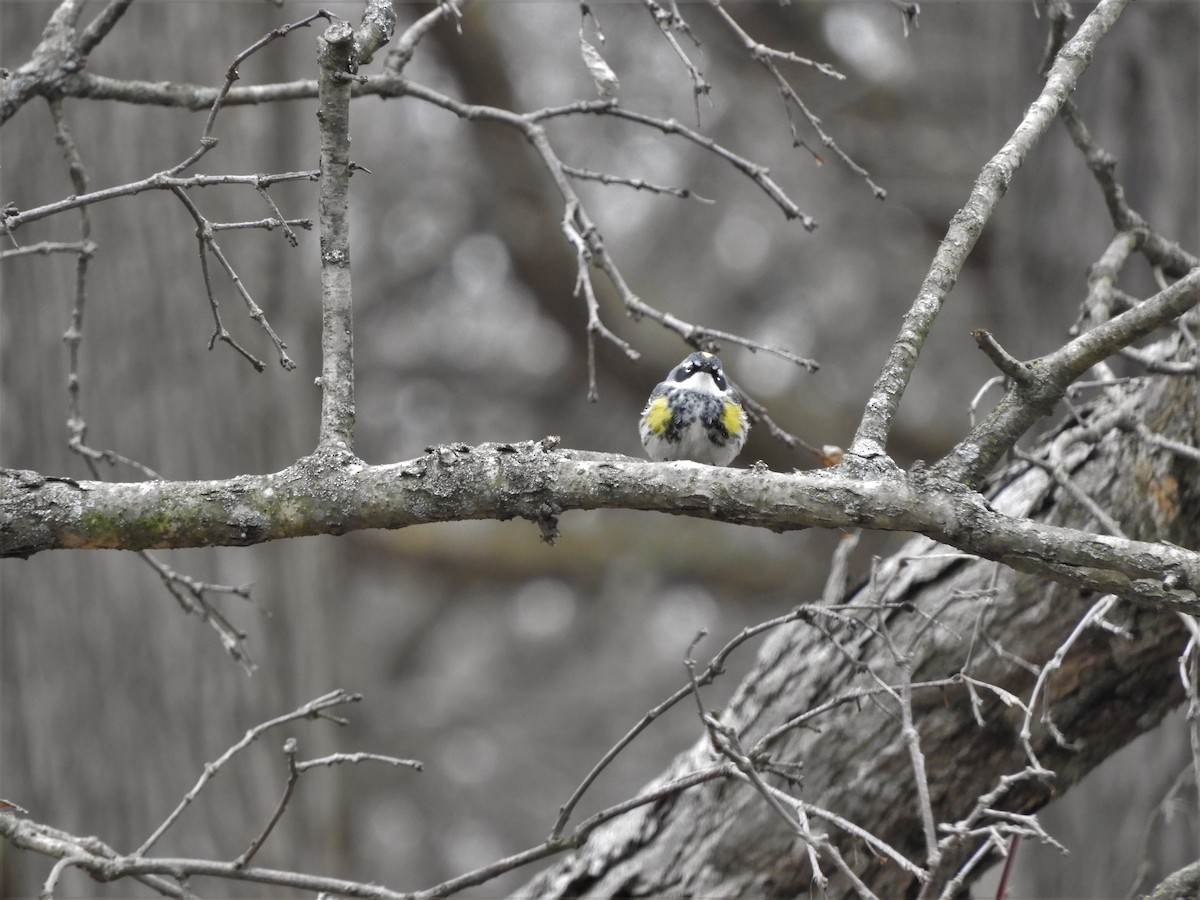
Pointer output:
x,y
337,325
73,337
1189,673
912,741
1193,708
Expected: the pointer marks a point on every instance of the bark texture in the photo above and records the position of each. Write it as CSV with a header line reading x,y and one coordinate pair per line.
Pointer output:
x,y
723,840
333,494
1182,885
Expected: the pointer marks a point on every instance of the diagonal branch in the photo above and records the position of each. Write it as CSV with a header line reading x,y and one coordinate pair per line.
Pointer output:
x,y
768,57
1046,380
208,244
402,51
98,29
232,74
56,57
1072,61
314,709
1161,252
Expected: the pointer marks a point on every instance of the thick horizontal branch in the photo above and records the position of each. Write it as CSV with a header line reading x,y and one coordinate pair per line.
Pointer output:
x,y
538,482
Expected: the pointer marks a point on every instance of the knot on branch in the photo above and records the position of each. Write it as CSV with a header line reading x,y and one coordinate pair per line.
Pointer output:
x,y
547,522
338,34
1018,371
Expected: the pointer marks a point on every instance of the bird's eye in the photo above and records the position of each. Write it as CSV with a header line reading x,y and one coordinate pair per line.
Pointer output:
x,y
719,380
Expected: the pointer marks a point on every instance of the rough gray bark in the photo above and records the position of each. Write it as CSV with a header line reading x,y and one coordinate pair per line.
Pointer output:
x,y
722,839
1181,885
334,494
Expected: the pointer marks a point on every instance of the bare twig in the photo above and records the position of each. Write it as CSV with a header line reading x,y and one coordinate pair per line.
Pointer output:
x,y
1165,809
998,827
1160,366
314,709
637,184
160,181
994,381
232,74
335,759
45,248
584,234
669,21
1027,401
104,864
205,242
1098,609
712,671
767,57
760,175
191,594
289,750
1189,675
1004,361
984,608
279,220
402,51
1103,299
208,245
908,13
267,224
73,337
552,846
825,455
839,567
912,741
851,696
56,871
911,737
1158,250
164,874
1180,449
1064,480
883,848
585,290
725,742
295,770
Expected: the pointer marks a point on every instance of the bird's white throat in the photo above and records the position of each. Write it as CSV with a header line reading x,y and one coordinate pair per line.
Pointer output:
x,y
699,381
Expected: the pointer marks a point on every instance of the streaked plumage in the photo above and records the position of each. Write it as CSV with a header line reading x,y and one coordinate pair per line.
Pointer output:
x,y
695,415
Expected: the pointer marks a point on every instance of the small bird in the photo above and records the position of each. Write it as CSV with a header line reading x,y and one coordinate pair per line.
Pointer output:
x,y
694,415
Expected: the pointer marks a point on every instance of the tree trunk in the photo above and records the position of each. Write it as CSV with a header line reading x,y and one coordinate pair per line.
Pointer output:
x,y
949,614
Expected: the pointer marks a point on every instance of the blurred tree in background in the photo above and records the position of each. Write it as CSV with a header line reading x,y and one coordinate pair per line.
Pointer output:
x,y
507,665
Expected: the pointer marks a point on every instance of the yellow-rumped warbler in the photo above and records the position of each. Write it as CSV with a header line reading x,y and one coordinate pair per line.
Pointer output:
x,y
695,415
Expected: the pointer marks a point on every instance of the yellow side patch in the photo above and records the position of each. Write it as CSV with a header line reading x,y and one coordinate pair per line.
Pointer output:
x,y
658,415
732,418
